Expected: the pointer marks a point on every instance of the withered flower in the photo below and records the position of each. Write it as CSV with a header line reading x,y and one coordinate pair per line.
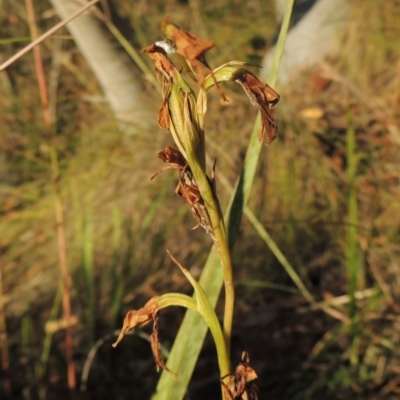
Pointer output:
x,y
172,157
162,63
166,72
137,318
155,347
187,188
189,46
264,98
178,111
192,49
242,383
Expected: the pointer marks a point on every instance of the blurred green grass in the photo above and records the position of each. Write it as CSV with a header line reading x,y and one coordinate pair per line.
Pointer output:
x,y
301,196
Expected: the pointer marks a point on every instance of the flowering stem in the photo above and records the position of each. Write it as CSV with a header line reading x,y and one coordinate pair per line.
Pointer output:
x,y
187,123
221,242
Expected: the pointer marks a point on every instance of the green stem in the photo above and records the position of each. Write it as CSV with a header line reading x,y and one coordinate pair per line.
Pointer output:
x,y
177,299
221,242
209,315
187,129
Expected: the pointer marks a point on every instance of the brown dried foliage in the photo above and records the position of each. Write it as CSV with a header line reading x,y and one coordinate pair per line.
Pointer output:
x,y
155,347
165,71
264,98
187,188
241,385
138,318
192,48
189,46
161,62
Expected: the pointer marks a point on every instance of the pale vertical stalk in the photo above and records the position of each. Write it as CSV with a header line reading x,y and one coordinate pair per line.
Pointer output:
x,y
66,301
40,39
66,298
352,217
351,250
49,334
5,359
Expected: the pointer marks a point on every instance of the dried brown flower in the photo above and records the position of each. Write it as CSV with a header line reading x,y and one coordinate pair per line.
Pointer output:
x,y
189,46
241,385
264,98
187,188
137,318
162,63
192,49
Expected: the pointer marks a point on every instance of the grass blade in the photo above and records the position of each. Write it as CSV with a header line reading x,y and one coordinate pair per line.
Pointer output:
x,y
351,255
279,255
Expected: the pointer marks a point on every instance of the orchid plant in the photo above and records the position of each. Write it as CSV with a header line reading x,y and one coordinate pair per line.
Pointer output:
x,y
182,113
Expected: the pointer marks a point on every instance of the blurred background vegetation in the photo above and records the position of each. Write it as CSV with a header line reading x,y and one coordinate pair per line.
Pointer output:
x,y
327,191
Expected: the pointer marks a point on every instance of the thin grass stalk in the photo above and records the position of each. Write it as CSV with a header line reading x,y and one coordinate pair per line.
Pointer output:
x,y
40,39
117,285
185,352
276,251
132,53
5,358
279,255
26,339
65,277
57,199
351,250
14,40
85,244
151,213
88,269
289,268
44,358
351,253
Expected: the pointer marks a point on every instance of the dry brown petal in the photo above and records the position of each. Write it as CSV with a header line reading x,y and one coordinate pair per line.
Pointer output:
x,y
269,129
264,98
187,188
155,347
187,45
241,385
161,62
192,48
173,157
163,118
167,70
137,318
